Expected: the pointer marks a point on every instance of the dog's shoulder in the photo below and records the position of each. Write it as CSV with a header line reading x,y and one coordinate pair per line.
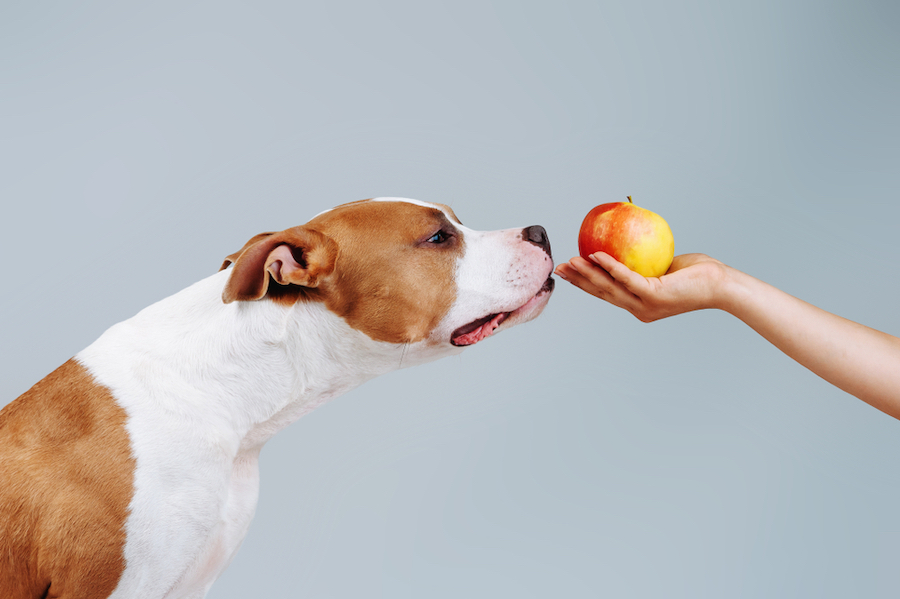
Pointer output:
x,y
65,484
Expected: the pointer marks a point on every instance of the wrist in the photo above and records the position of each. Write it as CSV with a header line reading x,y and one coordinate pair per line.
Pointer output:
x,y
731,290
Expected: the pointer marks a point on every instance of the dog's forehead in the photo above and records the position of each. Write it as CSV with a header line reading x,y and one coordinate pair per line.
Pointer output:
x,y
402,205
392,217
442,207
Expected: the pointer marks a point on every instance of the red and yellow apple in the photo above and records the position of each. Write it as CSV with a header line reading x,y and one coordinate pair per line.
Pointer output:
x,y
636,237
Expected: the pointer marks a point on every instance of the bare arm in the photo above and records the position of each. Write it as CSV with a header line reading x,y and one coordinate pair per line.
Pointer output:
x,y
862,361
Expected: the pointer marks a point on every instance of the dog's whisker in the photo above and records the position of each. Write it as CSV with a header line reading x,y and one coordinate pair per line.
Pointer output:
x,y
403,353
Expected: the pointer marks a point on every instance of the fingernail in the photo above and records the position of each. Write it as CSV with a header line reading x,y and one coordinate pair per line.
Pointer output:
x,y
560,275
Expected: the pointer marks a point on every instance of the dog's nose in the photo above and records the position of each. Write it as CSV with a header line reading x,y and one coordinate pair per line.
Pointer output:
x,y
537,235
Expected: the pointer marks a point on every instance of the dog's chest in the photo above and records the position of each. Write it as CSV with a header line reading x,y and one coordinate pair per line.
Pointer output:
x,y
220,545
200,542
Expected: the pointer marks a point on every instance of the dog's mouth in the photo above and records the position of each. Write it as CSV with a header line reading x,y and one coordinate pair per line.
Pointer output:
x,y
482,328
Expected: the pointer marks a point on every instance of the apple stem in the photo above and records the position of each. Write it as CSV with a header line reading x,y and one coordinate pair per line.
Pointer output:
x,y
629,200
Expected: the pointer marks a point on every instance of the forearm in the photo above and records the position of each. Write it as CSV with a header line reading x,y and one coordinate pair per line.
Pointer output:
x,y
862,361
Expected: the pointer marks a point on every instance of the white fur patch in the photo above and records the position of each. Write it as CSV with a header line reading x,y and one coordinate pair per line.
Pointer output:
x,y
205,384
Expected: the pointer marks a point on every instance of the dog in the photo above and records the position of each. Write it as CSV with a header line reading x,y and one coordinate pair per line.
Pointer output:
x,y
131,471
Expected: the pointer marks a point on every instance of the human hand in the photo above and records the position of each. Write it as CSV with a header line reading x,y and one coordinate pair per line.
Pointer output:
x,y
693,282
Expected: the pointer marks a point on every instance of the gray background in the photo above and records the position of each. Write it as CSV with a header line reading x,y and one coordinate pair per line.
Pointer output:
x,y
581,455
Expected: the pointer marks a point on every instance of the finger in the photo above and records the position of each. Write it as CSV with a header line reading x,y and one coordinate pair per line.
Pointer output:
x,y
632,281
577,278
591,273
600,283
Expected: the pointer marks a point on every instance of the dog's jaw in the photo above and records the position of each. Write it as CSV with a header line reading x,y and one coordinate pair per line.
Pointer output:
x,y
503,280
483,328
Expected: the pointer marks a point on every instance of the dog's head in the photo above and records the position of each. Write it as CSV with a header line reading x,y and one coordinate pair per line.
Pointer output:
x,y
400,271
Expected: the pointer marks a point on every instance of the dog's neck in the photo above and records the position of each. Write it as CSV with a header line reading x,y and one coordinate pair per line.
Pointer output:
x,y
243,370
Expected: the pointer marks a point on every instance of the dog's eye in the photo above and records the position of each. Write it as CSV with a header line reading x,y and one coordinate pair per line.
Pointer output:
x,y
439,237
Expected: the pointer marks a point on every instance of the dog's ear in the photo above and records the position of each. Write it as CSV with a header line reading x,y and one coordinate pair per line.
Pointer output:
x,y
296,256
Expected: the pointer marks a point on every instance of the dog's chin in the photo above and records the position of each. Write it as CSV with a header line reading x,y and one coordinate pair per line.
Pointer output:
x,y
482,328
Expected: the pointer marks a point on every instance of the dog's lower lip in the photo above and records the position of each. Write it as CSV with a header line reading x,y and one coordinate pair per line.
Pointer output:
x,y
459,336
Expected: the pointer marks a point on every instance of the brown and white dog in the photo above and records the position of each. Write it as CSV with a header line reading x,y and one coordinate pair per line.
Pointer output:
x,y
131,471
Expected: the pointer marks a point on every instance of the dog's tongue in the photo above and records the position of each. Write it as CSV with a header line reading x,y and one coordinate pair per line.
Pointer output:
x,y
478,330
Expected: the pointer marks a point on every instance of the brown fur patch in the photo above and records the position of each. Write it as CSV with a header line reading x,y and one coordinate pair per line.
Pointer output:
x,y
388,282
449,211
66,480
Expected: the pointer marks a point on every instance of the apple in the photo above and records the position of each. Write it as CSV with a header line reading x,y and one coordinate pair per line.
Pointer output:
x,y
636,237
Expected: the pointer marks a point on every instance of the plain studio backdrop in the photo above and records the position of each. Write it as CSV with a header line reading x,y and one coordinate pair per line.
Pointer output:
x,y
580,455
